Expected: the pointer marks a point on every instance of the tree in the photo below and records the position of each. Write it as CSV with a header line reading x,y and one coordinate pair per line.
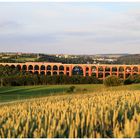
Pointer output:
x,y
112,81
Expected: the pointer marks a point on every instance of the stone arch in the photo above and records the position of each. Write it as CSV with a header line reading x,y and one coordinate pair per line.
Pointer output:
x,y
42,67
135,69
49,67
30,67
61,67
24,67
36,67
55,67
121,69
48,73
77,70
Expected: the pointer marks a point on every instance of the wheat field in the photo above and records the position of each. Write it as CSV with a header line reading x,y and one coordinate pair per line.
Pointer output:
x,y
101,114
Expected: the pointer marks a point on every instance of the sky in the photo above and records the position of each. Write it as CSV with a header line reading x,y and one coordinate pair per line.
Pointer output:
x,y
70,28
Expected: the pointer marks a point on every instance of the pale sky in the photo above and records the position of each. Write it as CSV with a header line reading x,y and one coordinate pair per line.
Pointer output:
x,y
70,28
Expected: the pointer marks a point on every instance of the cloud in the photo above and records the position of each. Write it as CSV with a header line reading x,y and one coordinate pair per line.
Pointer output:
x,y
67,27
28,39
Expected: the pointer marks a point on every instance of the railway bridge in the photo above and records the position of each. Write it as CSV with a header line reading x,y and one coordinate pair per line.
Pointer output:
x,y
97,70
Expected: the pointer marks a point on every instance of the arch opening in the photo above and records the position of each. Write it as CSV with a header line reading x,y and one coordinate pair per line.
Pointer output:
x,y
93,69
55,67
77,70
128,69
107,74
42,67
36,67
18,67
48,67
54,73
127,75
114,69
61,67
87,69
30,67
135,69
94,74
48,73
100,69
61,73
121,69
36,72
30,72
121,75
100,75
42,73
115,74
107,69
67,68
13,66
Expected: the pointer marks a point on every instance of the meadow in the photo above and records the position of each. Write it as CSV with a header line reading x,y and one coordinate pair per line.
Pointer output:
x,y
95,112
13,93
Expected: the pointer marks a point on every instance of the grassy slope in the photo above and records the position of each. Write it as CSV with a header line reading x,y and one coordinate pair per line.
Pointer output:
x,y
8,94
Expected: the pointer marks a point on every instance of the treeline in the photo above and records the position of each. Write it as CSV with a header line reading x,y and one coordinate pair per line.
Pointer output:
x,y
115,81
77,60
29,79
129,59
126,59
13,77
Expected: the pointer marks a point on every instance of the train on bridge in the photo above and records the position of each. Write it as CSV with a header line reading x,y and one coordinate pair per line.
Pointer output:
x,y
97,70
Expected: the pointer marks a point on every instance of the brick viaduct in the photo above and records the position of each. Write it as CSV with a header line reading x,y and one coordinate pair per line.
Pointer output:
x,y
99,71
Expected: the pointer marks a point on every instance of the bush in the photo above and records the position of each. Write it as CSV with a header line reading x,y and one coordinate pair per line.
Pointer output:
x,y
112,81
137,78
71,89
128,81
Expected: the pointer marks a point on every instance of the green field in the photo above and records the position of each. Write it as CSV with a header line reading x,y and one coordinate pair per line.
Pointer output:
x,y
8,94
